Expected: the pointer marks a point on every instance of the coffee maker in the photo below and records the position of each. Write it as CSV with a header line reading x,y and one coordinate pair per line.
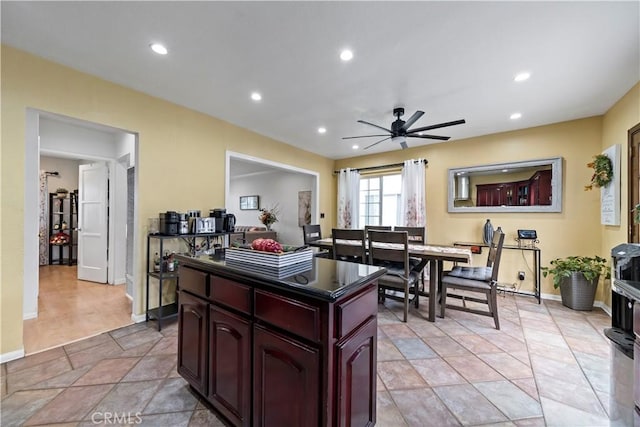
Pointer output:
x,y
219,216
224,222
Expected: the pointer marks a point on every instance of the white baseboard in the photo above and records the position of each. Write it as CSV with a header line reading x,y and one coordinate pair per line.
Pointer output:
x,y
12,355
138,318
599,304
32,315
120,281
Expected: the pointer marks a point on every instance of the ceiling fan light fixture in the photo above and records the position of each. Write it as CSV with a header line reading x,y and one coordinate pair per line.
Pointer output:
x,y
346,55
158,48
399,139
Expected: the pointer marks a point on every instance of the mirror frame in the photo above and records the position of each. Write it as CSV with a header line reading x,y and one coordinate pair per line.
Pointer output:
x,y
556,187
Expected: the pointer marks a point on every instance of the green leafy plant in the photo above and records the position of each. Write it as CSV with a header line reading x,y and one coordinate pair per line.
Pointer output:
x,y
603,172
591,267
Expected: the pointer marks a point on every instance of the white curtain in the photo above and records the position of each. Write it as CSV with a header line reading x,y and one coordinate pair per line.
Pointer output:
x,y
412,199
348,193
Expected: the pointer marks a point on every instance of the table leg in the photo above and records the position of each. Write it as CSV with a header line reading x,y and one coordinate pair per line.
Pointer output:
x,y
433,289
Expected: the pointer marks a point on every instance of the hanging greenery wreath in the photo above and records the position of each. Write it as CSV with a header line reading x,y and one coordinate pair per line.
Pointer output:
x,y
603,171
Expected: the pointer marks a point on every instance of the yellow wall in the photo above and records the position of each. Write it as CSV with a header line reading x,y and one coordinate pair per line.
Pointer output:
x,y
574,231
189,178
624,115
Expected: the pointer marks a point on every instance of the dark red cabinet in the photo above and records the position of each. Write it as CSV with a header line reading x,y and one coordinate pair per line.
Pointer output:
x,y
541,188
264,356
230,365
535,191
356,363
286,381
192,341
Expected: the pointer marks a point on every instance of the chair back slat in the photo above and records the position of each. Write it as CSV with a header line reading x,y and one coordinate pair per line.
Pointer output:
x,y
311,232
495,252
349,244
416,234
380,254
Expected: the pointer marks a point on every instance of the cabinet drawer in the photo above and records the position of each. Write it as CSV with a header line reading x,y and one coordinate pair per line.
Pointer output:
x,y
194,281
231,294
291,315
355,311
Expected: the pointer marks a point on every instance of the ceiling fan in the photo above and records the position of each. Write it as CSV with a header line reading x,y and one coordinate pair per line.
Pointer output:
x,y
400,131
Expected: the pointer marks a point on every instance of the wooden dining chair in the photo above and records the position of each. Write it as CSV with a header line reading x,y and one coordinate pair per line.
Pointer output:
x,y
482,280
376,227
417,235
311,232
390,249
349,245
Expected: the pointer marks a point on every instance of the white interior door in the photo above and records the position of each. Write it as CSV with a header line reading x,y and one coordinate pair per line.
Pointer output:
x,y
92,222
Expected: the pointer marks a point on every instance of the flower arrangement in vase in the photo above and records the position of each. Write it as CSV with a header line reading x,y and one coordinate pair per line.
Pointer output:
x,y
268,216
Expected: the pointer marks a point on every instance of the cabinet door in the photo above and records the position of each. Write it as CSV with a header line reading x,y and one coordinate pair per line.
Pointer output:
x,y
192,341
286,381
483,196
356,377
230,365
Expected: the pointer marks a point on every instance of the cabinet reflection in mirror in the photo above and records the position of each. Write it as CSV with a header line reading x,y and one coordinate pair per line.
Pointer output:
x,y
526,186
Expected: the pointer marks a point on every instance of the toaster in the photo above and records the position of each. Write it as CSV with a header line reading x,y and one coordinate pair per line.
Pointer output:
x,y
204,225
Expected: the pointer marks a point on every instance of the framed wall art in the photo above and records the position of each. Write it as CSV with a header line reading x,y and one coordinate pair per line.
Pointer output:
x,y
249,203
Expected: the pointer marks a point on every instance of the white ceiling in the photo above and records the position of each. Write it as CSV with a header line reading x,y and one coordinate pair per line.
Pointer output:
x,y
451,60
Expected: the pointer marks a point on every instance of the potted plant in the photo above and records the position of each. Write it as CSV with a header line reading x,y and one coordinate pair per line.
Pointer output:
x,y
577,277
62,193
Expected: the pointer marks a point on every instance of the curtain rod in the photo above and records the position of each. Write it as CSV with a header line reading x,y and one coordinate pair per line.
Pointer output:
x,y
393,165
52,173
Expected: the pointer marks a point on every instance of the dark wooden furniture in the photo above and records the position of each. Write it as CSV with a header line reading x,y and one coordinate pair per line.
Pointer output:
x,y
311,232
349,245
298,351
476,280
391,250
434,255
63,223
536,191
167,308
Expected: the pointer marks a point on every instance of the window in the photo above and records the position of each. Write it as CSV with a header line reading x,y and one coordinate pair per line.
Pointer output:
x,y
380,200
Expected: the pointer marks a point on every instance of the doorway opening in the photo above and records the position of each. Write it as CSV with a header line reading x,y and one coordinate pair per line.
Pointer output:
x,y
277,185
81,308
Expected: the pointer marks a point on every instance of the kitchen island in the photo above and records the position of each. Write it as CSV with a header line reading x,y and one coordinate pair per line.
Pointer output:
x,y
266,350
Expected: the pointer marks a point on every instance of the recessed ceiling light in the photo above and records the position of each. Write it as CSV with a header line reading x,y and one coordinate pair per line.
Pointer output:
x,y
256,96
520,77
322,130
355,146
346,55
158,48
515,116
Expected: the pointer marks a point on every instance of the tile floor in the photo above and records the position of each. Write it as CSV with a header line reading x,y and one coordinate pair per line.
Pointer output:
x,y
548,365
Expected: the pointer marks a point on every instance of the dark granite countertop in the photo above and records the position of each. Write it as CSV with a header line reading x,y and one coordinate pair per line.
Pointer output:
x,y
320,278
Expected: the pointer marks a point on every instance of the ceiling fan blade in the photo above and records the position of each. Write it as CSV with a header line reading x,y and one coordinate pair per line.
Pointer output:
x,y
403,144
377,142
441,125
412,120
371,124
363,136
443,138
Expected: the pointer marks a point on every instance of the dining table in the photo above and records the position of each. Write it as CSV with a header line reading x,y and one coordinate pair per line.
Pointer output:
x,y
434,255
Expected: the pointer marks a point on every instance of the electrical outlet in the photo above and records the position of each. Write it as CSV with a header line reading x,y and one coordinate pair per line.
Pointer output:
x,y
520,275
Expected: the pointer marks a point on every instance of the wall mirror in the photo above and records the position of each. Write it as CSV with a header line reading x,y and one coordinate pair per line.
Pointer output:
x,y
526,186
